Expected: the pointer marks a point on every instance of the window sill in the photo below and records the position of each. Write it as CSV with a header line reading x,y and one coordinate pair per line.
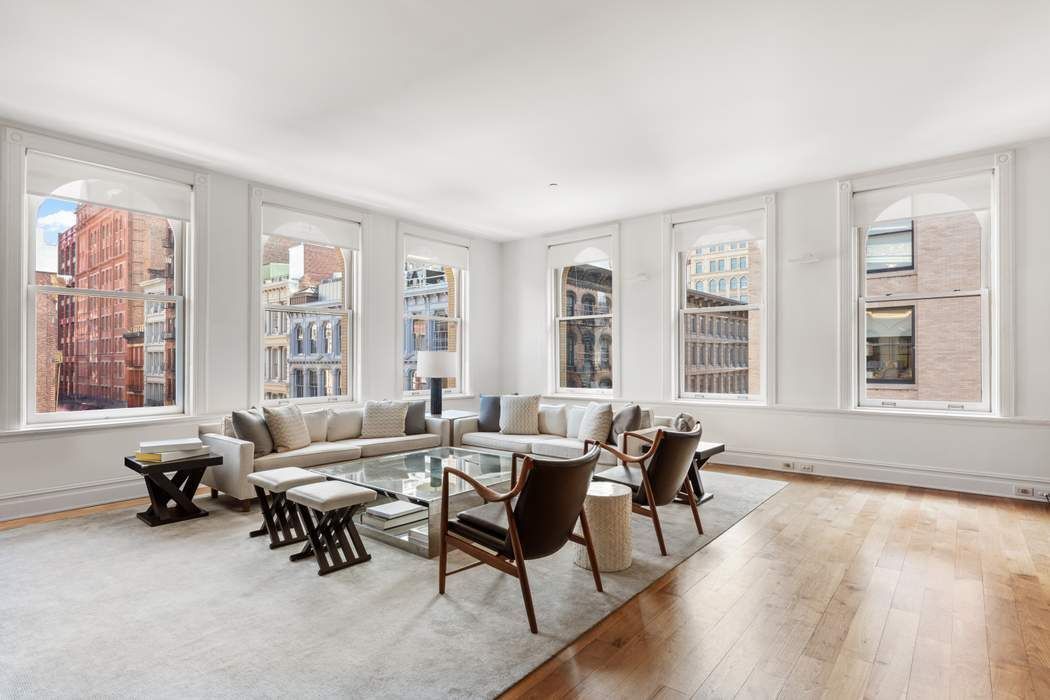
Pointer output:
x,y
38,429
444,397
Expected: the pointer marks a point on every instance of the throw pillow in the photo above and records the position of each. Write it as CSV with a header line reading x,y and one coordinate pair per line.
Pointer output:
x,y
384,419
287,427
416,417
317,424
488,415
553,420
227,427
344,424
597,420
250,426
627,418
647,419
519,415
573,420
683,422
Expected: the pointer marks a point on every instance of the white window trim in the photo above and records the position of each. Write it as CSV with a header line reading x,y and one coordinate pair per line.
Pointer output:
x,y
256,349
998,289
612,232
766,394
18,352
463,384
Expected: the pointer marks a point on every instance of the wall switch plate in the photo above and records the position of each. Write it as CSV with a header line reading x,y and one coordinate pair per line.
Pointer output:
x,y
1025,491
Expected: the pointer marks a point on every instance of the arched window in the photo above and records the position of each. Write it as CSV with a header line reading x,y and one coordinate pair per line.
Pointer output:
x,y
337,337
311,338
297,339
588,349
588,304
734,283
699,285
605,383
712,286
327,343
603,303
570,303
743,282
605,344
722,285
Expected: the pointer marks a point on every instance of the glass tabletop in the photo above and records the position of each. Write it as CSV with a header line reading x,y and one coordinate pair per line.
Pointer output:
x,y
417,475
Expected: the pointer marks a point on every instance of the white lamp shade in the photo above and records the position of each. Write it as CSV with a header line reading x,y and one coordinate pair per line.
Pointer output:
x,y
436,364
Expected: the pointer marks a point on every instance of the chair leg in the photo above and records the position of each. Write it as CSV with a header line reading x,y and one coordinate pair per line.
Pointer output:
x,y
590,550
215,493
691,497
523,578
659,531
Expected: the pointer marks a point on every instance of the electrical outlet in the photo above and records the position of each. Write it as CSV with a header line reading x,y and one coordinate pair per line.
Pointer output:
x,y
1043,495
788,466
806,468
1024,491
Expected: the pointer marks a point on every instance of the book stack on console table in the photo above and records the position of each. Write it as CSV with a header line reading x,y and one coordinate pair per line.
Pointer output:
x,y
170,450
394,514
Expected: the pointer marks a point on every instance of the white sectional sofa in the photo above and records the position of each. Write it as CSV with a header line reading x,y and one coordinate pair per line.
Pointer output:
x,y
465,433
239,460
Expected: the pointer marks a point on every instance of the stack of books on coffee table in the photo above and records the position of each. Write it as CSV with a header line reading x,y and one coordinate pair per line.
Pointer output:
x,y
170,450
394,514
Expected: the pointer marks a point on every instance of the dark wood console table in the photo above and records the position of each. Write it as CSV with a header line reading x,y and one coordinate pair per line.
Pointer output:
x,y
178,488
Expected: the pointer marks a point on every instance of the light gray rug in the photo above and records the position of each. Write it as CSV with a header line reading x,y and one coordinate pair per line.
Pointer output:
x,y
103,606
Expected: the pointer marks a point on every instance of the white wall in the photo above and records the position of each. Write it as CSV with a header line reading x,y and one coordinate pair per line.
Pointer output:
x,y
43,471
985,455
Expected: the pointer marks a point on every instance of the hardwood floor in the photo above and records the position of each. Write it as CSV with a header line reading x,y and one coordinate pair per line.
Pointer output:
x,y
834,589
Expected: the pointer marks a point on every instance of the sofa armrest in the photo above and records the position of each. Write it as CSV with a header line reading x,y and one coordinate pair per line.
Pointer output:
x,y
238,461
440,427
461,427
664,421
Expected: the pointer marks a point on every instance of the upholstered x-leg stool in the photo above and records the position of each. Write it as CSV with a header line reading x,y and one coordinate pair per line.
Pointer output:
x,y
280,518
327,510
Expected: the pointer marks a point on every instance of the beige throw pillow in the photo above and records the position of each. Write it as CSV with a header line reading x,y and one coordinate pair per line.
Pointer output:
x,y
597,420
317,424
553,420
519,415
384,419
287,427
345,424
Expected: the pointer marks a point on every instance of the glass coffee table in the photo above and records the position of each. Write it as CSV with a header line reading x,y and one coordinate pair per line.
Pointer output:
x,y
415,477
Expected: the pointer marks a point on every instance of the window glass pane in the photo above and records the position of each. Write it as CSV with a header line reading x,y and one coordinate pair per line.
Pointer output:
x,y
99,353
427,334
93,247
716,286
303,274
585,353
926,350
939,253
586,290
305,354
430,290
722,352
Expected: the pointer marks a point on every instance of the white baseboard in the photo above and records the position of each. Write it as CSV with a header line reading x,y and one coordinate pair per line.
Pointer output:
x,y
901,474
39,502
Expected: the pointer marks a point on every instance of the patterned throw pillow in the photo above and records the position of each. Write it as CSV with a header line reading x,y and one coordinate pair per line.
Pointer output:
x,y
287,427
519,415
597,420
384,419
684,422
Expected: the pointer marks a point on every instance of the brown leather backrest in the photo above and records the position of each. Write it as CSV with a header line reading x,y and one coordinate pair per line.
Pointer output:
x,y
668,467
550,502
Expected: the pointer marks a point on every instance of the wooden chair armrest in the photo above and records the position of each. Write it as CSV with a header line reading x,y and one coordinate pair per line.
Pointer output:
x,y
637,436
625,458
487,494
514,467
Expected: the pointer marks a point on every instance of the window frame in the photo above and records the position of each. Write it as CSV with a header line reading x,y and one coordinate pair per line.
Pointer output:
x,y
463,384
681,314
995,292
349,311
18,353
610,233
914,369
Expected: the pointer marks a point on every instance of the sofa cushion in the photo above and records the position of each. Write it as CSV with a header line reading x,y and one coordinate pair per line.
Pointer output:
x,y
488,414
597,421
287,427
344,423
519,415
416,417
553,419
251,426
573,420
313,455
627,418
504,441
384,419
317,424
371,447
567,448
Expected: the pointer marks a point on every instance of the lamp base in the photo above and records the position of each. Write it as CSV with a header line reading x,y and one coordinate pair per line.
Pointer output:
x,y
435,396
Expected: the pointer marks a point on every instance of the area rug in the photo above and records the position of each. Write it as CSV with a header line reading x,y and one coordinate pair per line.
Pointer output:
x,y
103,606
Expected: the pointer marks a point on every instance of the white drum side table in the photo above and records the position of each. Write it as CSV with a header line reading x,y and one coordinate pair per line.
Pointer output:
x,y
608,509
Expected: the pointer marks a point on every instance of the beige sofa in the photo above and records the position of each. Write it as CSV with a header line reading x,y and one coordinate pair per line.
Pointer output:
x,y
465,433
239,460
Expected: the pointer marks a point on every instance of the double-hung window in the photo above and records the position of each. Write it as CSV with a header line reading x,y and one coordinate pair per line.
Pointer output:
x,y
583,290
925,254
306,284
106,321
433,286
724,327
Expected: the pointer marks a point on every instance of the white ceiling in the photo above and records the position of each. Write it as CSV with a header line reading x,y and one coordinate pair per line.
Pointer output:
x,y
460,112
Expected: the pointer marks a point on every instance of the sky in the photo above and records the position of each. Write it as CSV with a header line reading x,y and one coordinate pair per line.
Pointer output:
x,y
53,217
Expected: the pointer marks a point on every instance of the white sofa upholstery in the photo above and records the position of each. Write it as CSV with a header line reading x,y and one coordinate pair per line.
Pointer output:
x,y
239,460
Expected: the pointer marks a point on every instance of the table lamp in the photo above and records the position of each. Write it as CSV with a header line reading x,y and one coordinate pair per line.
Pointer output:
x,y
435,366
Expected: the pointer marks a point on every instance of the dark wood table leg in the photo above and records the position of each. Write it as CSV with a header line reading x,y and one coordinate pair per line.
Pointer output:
x,y
179,489
701,495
